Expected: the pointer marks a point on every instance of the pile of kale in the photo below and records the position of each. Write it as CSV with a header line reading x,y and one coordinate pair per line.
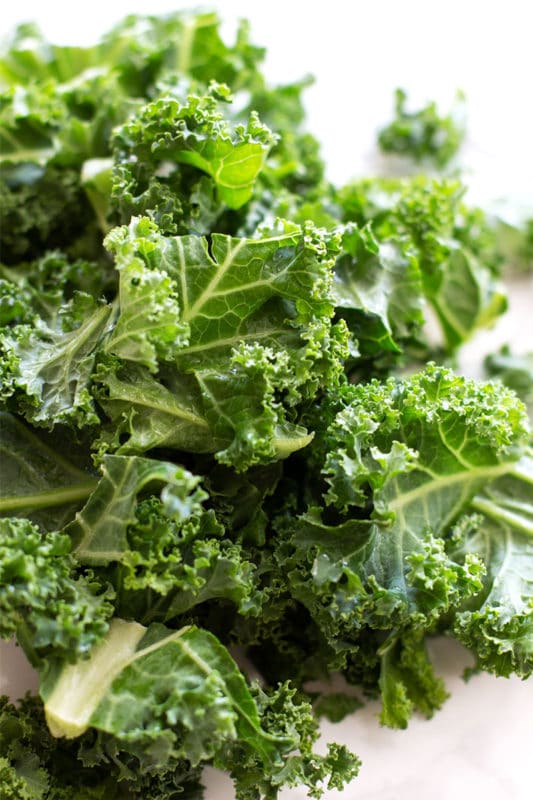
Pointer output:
x,y
225,438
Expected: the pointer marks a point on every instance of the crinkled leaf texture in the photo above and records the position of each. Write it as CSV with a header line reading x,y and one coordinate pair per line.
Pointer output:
x,y
378,291
190,695
174,564
342,524
175,130
498,625
416,450
447,241
47,366
37,766
144,529
260,343
411,455
99,530
191,701
52,610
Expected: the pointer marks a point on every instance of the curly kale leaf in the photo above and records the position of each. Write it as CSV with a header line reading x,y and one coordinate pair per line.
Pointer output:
x,y
288,717
140,49
172,566
261,344
407,680
195,698
423,135
148,328
515,243
166,133
99,530
192,702
47,366
48,130
37,766
498,624
401,462
35,480
50,211
378,291
53,611
452,244
61,105
163,554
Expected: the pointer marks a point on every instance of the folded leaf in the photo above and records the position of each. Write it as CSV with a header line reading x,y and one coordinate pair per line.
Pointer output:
x,y
378,291
190,696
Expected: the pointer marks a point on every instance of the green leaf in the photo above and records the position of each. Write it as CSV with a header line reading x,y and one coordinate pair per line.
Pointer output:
x,y
191,697
419,450
378,291
234,322
35,765
336,706
407,681
452,244
147,413
261,343
514,370
171,131
498,625
148,327
464,296
23,781
35,480
403,461
99,531
47,366
53,612
424,134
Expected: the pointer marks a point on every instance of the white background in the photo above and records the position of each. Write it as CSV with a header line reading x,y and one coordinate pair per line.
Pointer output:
x,y
479,746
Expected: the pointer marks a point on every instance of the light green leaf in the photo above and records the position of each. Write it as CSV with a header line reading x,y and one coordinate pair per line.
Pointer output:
x,y
188,691
173,130
148,326
465,296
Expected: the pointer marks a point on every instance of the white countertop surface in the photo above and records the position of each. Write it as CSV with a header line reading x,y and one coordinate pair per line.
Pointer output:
x,y
477,747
